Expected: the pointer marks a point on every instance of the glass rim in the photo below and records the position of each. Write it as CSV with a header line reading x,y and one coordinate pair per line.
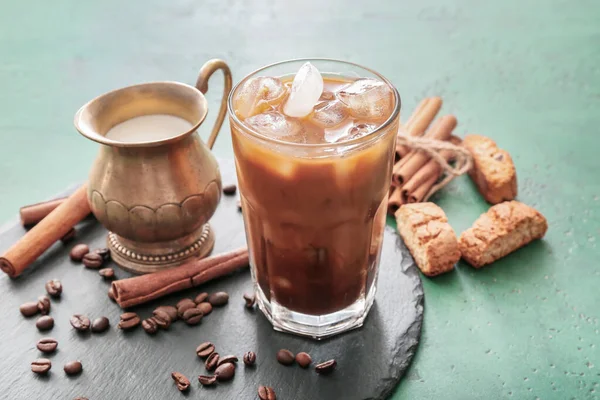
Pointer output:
x,y
363,139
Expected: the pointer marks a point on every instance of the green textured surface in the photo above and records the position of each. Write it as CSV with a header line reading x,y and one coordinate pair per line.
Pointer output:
x,y
526,73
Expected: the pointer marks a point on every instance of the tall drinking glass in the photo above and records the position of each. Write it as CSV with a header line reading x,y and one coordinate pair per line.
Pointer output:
x,y
314,192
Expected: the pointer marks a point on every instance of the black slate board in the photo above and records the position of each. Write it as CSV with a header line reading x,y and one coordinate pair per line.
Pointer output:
x,y
133,365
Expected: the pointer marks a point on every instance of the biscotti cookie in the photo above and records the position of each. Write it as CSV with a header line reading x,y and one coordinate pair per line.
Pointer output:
x,y
502,230
493,169
430,239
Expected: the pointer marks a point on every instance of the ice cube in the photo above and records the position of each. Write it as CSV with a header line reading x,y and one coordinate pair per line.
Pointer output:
x,y
327,95
306,90
359,130
328,114
345,133
276,125
367,99
258,95
335,134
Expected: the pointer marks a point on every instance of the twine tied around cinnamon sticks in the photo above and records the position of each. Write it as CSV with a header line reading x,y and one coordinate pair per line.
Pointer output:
x,y
462,158
422,161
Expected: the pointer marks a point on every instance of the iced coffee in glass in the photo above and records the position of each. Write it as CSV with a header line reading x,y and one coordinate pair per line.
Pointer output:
x,y
314,146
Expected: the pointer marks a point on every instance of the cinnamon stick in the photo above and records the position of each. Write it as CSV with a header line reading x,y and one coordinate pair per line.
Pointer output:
x,y
403,161
455,140
403,171
141,289
421,191
34,213
417,111
400,149
56,225
419,121
395,200
431,168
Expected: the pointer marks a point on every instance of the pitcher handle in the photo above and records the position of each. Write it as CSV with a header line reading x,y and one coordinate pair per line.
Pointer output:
x,y
206,71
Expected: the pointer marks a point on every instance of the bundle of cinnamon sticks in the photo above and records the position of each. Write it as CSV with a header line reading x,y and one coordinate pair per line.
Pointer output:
x,y
415,172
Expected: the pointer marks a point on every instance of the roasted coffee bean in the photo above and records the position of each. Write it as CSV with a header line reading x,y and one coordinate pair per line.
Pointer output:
x,y
104,252
184,305
47,345
326,367
93,260
161,314
201,298
111,294
181,381
218,299
80,322
107,273
160,323
303,359
54,288
225,372
170,310
249,358
285,357
207,380
212,362
81,398
193,316
150,325
181,310
227,359
73,367
45,323
205,349
266,393
41,366
129,320
100,324
29,309
185,301
229,190
250,300
162,319
43,305
78,251
205,307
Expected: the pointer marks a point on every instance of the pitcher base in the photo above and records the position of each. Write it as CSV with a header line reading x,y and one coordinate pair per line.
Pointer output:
x,y
142,259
